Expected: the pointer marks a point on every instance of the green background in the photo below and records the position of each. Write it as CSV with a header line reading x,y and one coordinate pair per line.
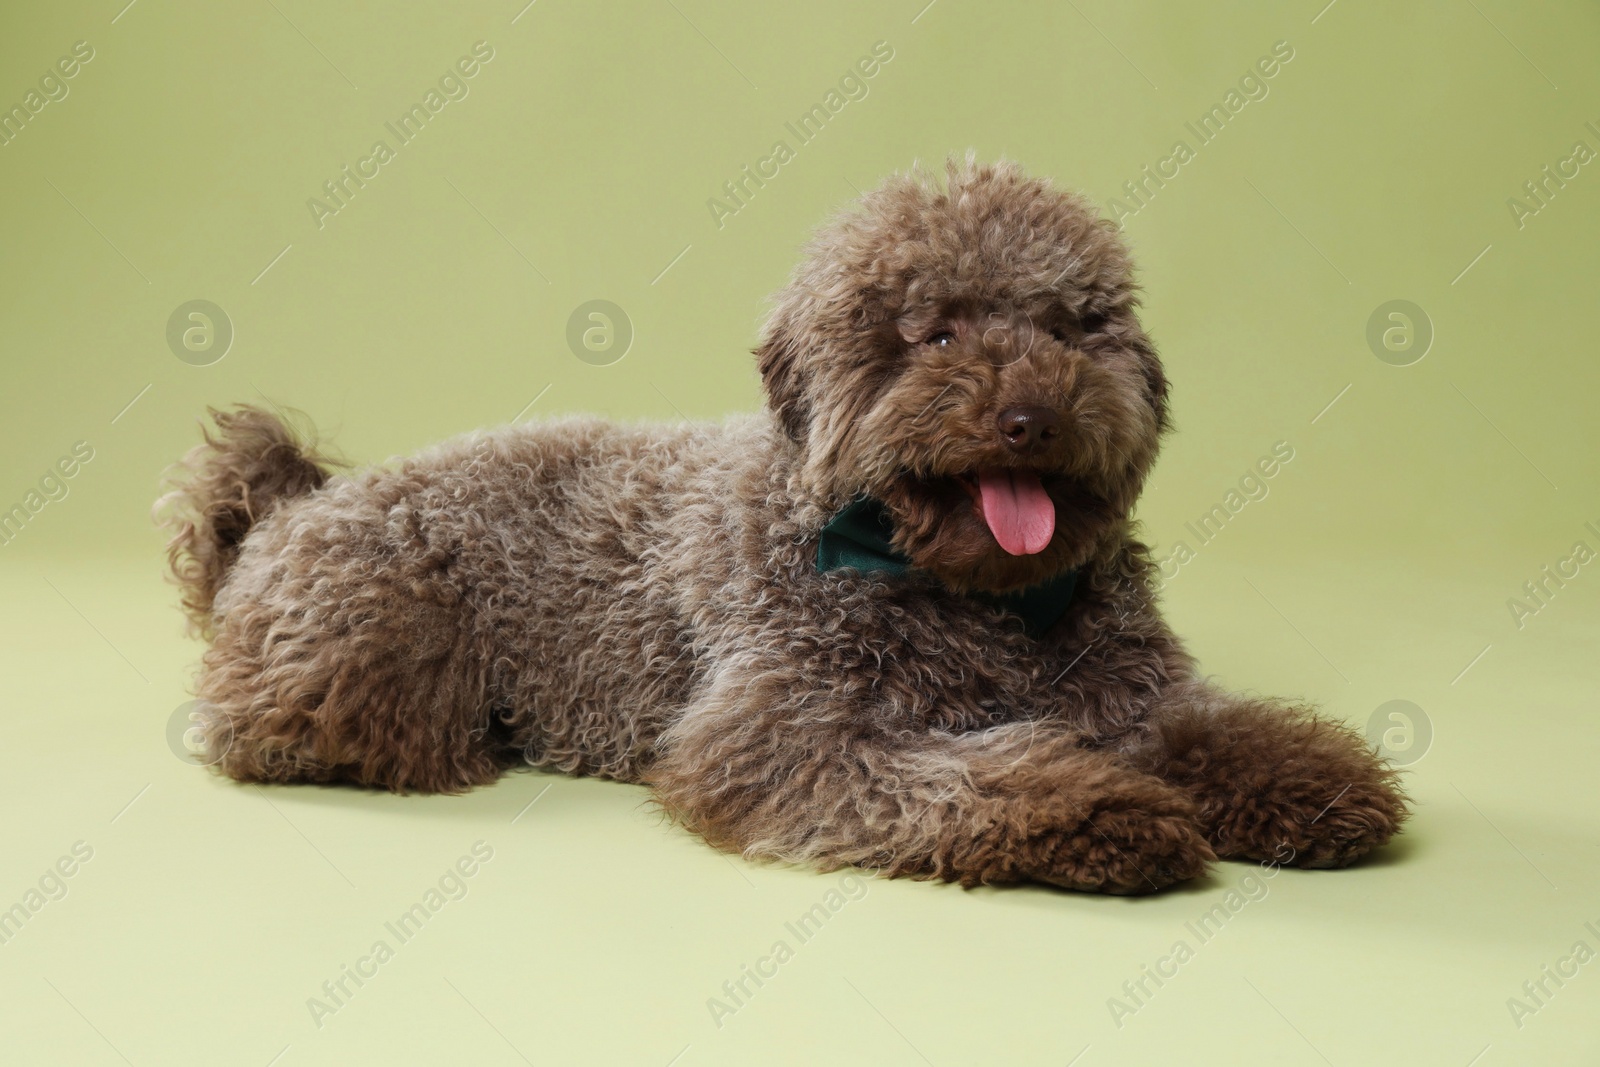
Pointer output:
x,y
579,167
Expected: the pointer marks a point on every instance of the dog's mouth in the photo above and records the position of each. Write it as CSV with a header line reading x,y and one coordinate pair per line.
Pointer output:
x,y
1014,505
995,528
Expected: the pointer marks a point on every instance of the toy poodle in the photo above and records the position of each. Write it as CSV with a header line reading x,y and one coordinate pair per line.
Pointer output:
x,y
901,619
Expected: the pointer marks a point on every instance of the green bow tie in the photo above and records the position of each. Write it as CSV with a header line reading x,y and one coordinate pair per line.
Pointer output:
x,y
859,537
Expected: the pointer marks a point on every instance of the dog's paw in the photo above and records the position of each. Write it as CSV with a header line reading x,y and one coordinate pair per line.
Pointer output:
x,y
1327,809
1138,842
1317,823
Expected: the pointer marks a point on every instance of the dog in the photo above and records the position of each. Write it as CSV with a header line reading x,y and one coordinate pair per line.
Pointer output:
x,y
899,620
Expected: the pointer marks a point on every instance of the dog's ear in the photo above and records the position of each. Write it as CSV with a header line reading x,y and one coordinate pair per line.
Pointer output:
x,y
1155,378
1133,338
779,359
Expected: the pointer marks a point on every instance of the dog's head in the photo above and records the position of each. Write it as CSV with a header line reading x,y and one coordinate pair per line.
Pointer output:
x,y
969,354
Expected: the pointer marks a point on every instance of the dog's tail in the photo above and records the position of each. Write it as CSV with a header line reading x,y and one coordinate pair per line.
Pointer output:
x,y
252,462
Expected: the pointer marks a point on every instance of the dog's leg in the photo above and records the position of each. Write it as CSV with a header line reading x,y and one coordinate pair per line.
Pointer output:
x,y
378,679
768,765
1271,778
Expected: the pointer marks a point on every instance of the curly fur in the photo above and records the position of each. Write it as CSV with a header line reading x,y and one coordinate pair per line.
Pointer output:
x,y
222,488
641,603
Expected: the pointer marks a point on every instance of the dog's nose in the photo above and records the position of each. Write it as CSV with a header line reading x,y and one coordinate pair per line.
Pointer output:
x,y
1028,427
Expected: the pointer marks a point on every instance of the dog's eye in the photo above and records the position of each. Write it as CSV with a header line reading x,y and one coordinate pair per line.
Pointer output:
x,y
942,339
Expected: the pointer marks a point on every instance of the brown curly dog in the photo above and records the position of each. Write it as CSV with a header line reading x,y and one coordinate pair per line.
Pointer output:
x,y
901,620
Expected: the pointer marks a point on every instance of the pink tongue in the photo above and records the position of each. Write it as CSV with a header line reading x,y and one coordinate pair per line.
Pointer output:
x,y
1019,512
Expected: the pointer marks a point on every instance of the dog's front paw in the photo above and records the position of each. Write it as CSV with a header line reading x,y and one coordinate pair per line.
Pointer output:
x,y
1138,841
1328,807
1317,823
